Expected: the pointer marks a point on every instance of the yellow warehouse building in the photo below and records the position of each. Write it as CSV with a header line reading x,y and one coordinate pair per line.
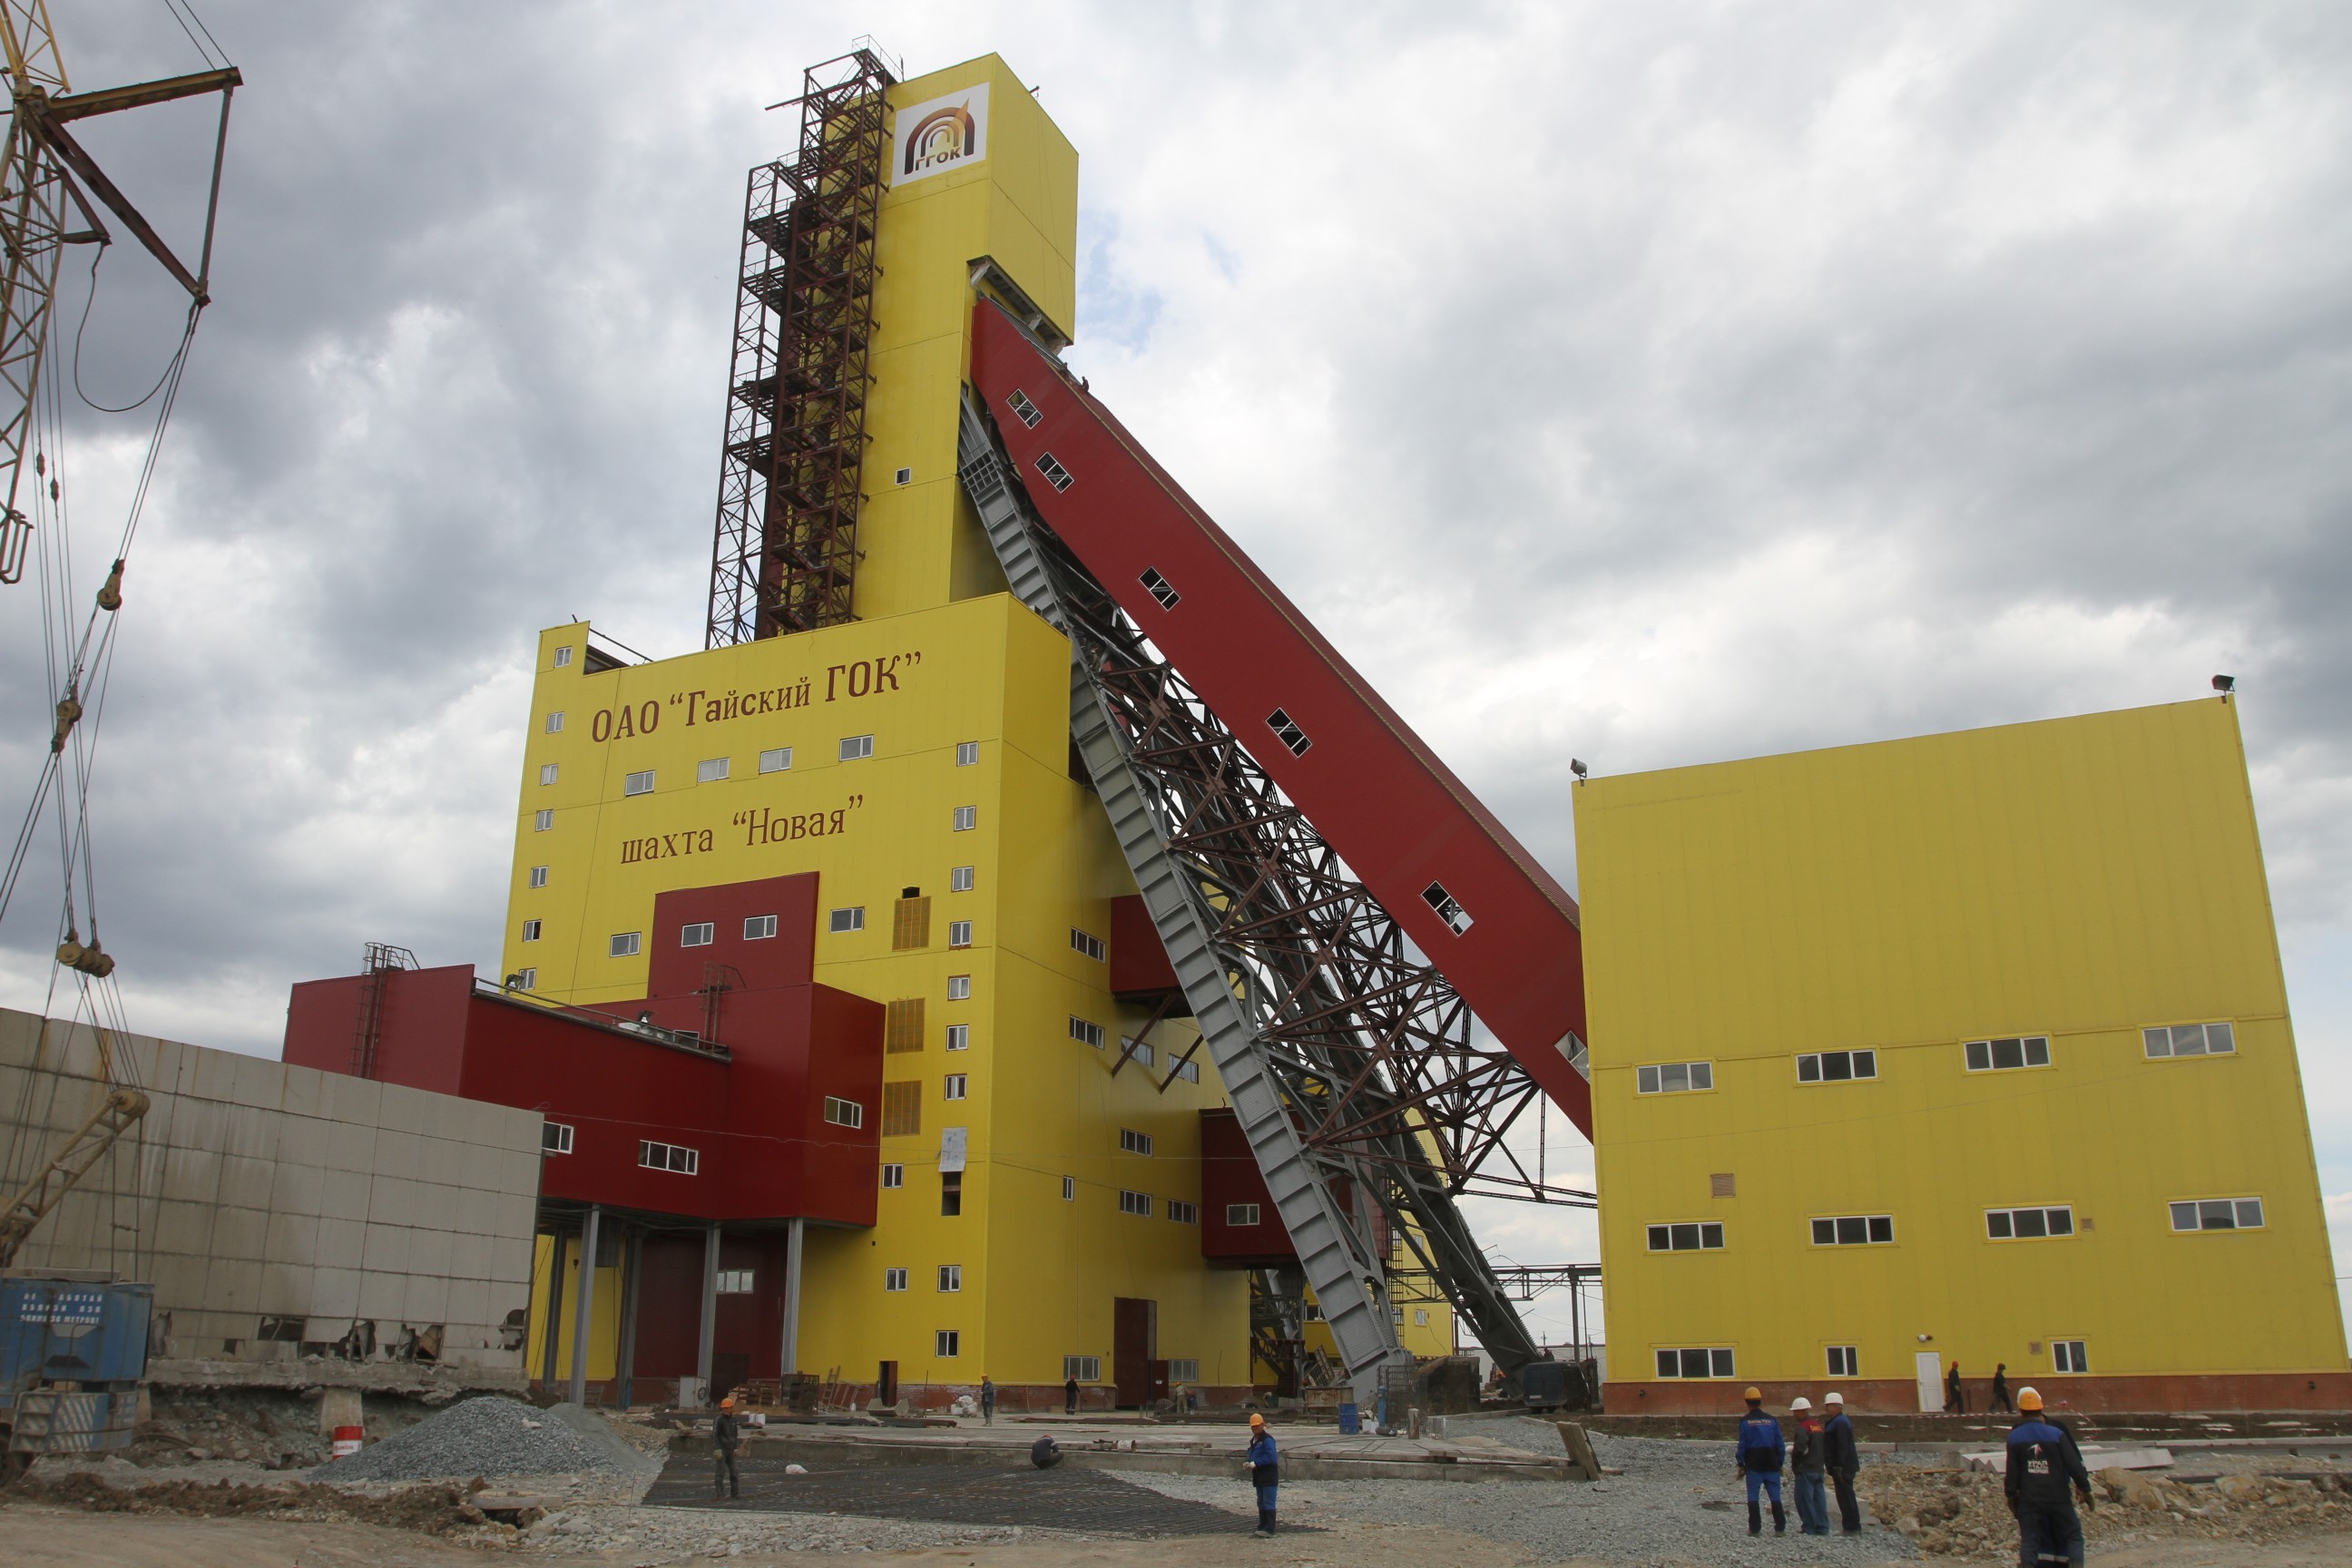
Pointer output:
x,y
1972,1049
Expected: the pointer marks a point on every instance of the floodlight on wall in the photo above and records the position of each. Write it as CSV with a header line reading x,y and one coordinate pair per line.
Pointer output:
x,y
2225,684
1577,768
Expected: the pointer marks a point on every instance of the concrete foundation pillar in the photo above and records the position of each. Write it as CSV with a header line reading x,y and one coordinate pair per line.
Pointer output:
x,y
339,1407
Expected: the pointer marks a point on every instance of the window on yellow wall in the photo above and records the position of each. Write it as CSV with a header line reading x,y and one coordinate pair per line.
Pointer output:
x,y
2005,1054
1673,1077
2189,1040
1420,1317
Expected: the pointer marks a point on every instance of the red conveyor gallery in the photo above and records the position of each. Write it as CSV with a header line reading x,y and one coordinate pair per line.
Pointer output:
x,y
1490,918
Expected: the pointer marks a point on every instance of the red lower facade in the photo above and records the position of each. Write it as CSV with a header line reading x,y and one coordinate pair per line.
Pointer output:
x,y
2091,1396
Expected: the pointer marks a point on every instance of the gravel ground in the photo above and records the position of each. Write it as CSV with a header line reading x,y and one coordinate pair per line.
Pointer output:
x,y
495,1438
1658,1510
652,1535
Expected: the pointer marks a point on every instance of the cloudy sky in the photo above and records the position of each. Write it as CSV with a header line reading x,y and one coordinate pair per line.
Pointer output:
x,y
1651,384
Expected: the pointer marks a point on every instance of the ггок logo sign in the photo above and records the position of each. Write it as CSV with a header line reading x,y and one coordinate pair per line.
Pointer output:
x,y
943,133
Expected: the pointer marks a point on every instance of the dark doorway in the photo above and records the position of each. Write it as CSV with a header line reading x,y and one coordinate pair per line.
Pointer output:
x,y
730,1370
886,1382
1135,1342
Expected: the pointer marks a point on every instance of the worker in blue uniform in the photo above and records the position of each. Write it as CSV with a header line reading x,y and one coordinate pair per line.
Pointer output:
x,y
1265,1473
1759,1455
2044,1464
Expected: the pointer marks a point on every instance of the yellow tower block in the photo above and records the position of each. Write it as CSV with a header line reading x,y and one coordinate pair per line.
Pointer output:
x,y
918,760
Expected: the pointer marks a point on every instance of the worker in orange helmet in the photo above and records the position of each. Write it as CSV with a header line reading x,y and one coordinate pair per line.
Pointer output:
x,y
726,1434
1760,1453
1265,1471
2043,1462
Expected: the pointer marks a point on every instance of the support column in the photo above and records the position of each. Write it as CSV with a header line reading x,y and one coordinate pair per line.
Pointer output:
x,y
584,1306
791,1360
625,1362
708,1343
554,1349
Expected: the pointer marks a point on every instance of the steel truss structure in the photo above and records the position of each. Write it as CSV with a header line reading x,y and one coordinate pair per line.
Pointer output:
x,y
785,555
1374,1055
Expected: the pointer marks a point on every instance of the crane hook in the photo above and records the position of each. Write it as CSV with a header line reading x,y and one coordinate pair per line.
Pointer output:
x,y
109,596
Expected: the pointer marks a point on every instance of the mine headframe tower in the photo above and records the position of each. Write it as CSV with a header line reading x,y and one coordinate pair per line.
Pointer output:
x,y
786,553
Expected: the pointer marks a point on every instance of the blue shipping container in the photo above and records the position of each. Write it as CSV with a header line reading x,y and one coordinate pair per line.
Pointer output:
x,y
60,1330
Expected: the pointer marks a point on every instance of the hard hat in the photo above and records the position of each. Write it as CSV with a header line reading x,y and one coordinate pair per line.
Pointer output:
x,y
1800,1403
1754,1396
1833,1397
2029,1399
1255,1419
727,1404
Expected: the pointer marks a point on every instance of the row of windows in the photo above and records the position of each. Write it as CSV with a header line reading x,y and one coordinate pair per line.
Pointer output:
x,y
894,1176
950,1279
1841,1361
2004,1055
2037,1223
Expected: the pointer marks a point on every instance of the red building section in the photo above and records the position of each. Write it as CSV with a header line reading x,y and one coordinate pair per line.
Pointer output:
x,y
737,1093
1239,1226
1486,913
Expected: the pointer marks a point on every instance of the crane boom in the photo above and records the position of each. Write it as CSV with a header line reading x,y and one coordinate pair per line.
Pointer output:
x,y
115,1115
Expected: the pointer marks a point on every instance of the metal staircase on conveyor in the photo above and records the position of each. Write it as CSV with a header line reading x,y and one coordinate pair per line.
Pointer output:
x,y
1342,1031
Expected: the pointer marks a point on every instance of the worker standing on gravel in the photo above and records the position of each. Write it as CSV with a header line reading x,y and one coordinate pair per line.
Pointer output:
x,y
1999,1388
1759,1455
1844,1460
1070,1397
1265,1471
2043,1462
1805,1459
987,1401
726,1433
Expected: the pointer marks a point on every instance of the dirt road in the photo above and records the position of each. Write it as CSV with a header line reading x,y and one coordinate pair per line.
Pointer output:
x,y
37,1537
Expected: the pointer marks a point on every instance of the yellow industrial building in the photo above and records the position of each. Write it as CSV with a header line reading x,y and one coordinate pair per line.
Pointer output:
x,y
921,750
1970,1048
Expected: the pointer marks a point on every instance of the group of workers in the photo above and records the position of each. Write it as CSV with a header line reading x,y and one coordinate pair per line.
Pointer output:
x,y
2043,1477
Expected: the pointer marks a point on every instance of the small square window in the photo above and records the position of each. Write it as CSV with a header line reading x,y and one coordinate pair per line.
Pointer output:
x,y
555,723
903,477
1241,1214
945,1342
541,821
1086,1030
894,1279
2067,1355
639,784
955,1086
1160,589
526,980
1092,946
1420,1317
531,931
967,817
1720,1363
1022,409
848,919
1456,919
1138,1203
734,1282
950,1277
776,761
624,944
2250,1214
547,771
1845,1361
554,1138
894,1175
958,933
1069,1189
1183,1212
539,876
1288,732
958,1036
1189,1068
853,747
701,933
562,657
844,1112
1055,475
959,987
710,770
959,880
967,753
759,928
